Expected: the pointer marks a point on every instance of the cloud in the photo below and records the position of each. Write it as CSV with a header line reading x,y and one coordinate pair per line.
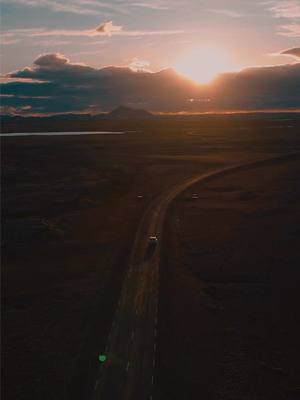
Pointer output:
x,y
51,60
291,30
295,52
286,9
261,87
227,13
81,7
8,41
50,43
29,33
54,67
138,65
95,7
155,33
78,87
54,84
152,5
107,28
44,32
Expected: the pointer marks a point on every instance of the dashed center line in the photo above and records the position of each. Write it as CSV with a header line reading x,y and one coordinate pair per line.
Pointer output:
x,y
96,384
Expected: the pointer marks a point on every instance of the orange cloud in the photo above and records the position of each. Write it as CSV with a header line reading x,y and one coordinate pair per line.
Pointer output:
x,y
107,28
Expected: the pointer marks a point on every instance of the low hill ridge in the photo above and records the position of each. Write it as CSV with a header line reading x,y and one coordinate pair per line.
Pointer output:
x,y
123,112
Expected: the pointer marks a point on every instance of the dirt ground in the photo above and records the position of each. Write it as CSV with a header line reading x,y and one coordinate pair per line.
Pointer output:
x,y
229,322
70,208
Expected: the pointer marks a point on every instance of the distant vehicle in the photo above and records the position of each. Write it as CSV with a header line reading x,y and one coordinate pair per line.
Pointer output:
x,y
152,244
153,240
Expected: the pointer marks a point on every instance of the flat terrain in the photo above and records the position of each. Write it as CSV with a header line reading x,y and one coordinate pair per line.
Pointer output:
x,y
71,207
229,322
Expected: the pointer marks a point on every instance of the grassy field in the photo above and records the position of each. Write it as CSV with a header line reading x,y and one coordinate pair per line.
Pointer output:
x,y
229,324
70,209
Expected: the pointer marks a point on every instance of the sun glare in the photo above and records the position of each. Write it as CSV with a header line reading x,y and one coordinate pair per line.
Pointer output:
x,y
204,64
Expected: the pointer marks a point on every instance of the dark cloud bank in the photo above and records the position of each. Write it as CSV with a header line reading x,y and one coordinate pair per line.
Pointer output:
x,y
55,85
295,52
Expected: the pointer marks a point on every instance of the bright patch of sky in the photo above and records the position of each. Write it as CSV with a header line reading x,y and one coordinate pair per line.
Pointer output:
x,y
155,33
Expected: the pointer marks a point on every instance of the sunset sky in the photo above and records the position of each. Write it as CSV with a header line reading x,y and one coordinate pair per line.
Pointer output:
x,y
197,38
155,33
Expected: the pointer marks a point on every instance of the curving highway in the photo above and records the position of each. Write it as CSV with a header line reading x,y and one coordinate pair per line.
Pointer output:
x,y
128,372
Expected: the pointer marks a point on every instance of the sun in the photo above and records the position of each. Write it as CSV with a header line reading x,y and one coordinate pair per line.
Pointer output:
x,y
202,65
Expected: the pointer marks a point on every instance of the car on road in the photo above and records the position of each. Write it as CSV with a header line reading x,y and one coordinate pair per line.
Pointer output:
x,y
151,247
153,240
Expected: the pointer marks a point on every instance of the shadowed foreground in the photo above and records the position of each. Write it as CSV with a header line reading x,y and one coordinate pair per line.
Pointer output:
x,y
229,319
71,208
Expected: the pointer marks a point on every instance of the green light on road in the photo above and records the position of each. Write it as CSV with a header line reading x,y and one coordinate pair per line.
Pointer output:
x,y
102,358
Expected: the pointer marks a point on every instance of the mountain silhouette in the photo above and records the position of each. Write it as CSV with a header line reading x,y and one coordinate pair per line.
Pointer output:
x,y
123,112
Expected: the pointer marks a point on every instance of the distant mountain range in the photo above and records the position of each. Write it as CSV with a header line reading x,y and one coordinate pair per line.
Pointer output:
x,y
119,113
129,113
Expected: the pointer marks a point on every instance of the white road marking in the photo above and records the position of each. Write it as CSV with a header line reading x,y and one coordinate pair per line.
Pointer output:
x,y
127,366
152,379
96,384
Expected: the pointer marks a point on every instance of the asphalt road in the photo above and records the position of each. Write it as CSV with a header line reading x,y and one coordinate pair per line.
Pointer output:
x,y
128,372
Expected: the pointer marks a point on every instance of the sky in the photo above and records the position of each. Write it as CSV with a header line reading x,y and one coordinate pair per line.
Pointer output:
x,y
198,38
155,32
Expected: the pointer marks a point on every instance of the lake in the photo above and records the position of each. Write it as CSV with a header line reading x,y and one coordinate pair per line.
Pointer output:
x,y
61,133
